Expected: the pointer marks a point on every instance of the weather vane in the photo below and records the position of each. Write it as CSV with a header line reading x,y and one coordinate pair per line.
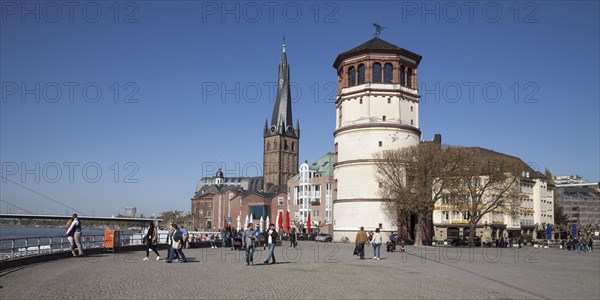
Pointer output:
x,y
378,29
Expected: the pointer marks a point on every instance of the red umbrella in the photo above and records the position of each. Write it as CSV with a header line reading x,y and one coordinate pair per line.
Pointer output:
x,y
308,224
280,221
287,220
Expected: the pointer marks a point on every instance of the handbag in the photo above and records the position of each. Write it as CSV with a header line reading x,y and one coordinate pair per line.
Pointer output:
x,y
176,245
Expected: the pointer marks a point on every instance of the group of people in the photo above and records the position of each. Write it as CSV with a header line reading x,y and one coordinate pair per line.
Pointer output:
x,y
74,235
579,245
250,242
176,239
362,239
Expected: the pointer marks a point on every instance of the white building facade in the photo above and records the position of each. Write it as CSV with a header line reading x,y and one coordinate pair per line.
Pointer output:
x,y
377,108
537,207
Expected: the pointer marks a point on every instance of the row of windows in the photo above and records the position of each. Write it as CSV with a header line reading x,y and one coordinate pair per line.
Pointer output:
x,y
388,74
456,215
285,146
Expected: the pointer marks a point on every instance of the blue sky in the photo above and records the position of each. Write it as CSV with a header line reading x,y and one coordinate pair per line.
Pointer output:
x,y
138,100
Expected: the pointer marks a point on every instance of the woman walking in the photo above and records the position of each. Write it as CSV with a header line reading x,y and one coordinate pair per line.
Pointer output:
x,y
176,245
376,241
151,240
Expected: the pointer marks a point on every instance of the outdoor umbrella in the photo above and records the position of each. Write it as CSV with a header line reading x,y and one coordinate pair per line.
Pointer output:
x,y
277,223
261,224
574,230
548,232
239,225
267,223
280,222
287,220
246,223
251,218
308,224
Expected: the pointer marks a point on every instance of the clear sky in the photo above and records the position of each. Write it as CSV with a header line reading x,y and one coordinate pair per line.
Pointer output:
x,y
109,104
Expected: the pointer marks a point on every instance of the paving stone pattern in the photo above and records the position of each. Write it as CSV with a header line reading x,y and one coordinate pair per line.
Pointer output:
x,y
315,271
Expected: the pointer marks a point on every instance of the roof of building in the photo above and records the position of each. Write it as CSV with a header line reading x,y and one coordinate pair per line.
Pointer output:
x,y
214,189
254,183
376,45
583,192
486,153
281,120
323,166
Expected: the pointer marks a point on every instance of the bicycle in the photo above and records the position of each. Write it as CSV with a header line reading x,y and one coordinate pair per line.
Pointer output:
x,y
345,239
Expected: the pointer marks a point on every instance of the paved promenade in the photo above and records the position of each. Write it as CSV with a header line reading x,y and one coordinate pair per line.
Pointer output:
x,y
315,271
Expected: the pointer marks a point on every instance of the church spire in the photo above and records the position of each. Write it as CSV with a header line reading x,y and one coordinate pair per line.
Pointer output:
x,y
282,121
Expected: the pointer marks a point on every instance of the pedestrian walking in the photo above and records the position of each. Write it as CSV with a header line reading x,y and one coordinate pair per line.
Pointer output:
x,y
75,229
249,239
176,245
71,237
360,241
376,242
223,238
170,243
151,240
271,239
293,238
186,237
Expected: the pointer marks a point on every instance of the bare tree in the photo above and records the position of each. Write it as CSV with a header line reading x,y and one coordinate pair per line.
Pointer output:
x,y
413,179
487,182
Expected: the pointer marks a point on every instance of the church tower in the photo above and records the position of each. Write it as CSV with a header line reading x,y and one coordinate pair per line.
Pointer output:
x,y
377,108
281,139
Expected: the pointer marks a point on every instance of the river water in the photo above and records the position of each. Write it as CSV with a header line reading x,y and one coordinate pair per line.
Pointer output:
x,y
15,232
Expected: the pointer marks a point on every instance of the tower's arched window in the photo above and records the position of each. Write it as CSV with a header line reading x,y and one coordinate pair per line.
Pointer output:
x,y
293,146
409,78
351,76
402,76
361,74
376,72
268,146
388,73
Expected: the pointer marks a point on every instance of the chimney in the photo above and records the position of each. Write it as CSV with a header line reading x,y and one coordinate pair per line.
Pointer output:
x,y
437,138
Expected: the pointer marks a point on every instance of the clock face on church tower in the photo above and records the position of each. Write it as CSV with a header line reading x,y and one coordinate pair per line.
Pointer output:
x,y
280,81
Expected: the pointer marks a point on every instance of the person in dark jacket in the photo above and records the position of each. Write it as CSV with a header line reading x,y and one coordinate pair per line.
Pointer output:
x,y
293,238
271,239
176,244
151,240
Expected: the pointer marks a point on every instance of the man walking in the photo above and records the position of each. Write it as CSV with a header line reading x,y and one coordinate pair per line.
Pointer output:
x,y
249,240
271,239
76,229
360,241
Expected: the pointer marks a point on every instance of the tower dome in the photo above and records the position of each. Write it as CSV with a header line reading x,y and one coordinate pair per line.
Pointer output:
x,y
219,177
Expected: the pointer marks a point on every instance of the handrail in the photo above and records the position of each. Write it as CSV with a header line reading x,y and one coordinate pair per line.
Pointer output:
x,y
40,245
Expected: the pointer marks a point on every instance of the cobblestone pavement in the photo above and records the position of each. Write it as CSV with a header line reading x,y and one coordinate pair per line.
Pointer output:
x,y
315,270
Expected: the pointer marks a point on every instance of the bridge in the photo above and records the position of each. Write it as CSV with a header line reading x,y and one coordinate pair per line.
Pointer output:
x,y
82,217
313,270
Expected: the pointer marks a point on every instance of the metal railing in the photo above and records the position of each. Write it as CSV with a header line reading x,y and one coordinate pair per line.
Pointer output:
x,y
21,247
